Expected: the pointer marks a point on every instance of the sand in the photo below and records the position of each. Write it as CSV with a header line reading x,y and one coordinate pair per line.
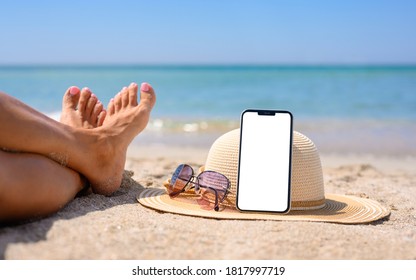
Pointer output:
x,y
118,227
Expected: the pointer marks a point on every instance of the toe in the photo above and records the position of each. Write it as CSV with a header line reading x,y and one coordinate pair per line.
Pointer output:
x,y
111,108
89,109
98,108
133,88
147,96
124,97
117,102
71,98
101,118
83,100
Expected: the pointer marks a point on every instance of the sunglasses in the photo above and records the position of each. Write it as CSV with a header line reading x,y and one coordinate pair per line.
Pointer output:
x,y
209,185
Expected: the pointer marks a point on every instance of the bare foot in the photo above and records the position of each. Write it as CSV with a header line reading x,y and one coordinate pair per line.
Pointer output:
x,y
125,119
81,108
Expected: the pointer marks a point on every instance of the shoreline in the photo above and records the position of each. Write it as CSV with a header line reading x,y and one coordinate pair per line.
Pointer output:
x,y
331,136
361,136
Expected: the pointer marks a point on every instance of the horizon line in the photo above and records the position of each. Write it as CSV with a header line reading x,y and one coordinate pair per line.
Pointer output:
x,y
401,64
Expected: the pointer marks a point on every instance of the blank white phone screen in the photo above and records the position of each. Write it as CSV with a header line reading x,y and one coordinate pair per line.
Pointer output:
x,y
264,164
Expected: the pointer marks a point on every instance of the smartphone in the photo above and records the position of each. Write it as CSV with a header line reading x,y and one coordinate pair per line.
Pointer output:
x,y
265,159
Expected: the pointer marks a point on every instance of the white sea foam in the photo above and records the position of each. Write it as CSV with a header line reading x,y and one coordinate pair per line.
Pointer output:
x,y
54,115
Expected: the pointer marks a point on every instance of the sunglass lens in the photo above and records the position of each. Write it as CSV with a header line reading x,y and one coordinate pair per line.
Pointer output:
x,y
180,179
213,187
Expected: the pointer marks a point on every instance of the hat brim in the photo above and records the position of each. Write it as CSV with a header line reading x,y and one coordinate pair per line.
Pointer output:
x,y
338,209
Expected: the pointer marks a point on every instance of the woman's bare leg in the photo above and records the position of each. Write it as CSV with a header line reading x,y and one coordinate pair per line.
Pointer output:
x,y
99,153
33,185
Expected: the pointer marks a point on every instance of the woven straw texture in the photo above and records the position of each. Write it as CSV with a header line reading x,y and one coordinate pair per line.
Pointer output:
x,y
307,181
338,209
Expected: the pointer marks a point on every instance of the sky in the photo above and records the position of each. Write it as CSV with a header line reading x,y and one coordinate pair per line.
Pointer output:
x,y
208,32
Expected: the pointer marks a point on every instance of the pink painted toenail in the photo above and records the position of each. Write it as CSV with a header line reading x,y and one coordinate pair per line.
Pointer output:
x,y
73,90
145,87
133,84
86,89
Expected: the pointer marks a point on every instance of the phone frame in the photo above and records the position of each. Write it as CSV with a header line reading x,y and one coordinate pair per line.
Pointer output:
x,y
266,113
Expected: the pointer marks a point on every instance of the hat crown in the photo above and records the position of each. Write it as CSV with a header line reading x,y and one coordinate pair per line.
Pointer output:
x,y
307,188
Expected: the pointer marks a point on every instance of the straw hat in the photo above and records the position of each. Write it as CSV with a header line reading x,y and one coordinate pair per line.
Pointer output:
x,y
308,199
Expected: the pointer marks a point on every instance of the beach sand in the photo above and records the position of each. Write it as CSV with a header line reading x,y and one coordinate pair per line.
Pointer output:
x,y
118,227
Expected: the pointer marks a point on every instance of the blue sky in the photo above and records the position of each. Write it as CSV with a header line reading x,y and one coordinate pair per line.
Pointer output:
x,y
208,32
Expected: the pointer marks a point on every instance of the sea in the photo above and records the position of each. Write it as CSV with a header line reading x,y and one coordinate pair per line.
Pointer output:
x,y
346,108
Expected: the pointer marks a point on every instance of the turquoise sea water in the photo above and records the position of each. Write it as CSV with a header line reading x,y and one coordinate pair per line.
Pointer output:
x,y
387,93
342,108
